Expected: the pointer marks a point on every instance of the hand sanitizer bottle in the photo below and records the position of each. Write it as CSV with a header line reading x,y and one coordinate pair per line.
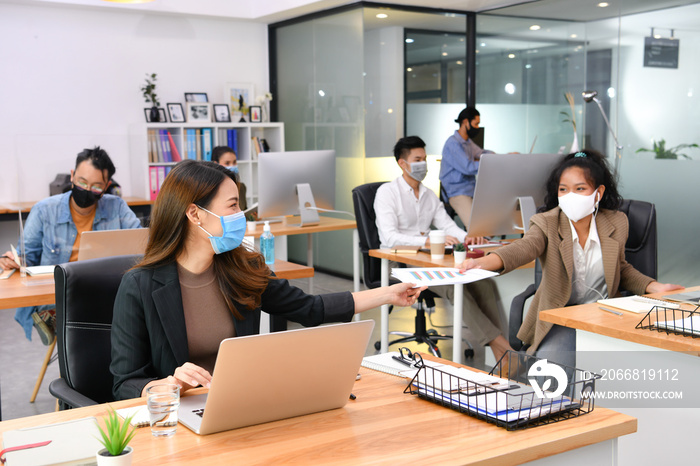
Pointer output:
x,y
267,244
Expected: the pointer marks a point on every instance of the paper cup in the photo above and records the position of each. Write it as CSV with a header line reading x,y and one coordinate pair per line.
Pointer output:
x,y
437,244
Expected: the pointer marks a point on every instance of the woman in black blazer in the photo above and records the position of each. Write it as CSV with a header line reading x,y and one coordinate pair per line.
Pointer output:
x,y
197,285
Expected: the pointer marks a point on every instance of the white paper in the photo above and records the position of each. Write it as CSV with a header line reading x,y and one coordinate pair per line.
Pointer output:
x,y
435,276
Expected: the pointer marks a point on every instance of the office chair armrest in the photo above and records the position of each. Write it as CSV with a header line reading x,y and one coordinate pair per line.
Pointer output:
x,y
68,396
517,309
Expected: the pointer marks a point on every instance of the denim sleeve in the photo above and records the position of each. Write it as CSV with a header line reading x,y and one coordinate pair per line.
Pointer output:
x,y
127,217
33,236
459,160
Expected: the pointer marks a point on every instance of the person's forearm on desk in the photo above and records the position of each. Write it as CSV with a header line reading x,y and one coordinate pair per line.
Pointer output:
x,y
401,294
491,262
656,287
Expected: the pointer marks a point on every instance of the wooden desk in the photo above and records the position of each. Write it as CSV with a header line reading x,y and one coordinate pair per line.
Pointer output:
x,y
290,226
605,340
589,318
422,259
26,206
35,291
383,426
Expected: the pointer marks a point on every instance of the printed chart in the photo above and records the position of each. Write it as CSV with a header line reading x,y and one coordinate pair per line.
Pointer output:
x,y
439,275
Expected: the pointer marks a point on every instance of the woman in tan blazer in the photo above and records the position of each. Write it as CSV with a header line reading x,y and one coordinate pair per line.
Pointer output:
x,y
580,241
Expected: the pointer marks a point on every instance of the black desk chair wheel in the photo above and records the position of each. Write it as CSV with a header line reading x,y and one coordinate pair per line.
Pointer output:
x,y
363,201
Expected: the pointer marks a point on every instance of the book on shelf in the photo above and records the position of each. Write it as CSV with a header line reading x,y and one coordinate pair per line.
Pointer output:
x,y
167,157
161,176
232,140
198,143
153,182
173,148
191,149
207,144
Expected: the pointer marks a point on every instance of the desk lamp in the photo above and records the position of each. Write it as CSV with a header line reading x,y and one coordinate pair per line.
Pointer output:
x,y
593,96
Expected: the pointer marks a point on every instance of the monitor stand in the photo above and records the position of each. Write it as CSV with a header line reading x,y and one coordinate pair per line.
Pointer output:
x,y
527,210
307,205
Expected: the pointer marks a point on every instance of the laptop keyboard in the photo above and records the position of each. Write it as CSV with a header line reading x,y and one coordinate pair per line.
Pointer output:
x,y
199,412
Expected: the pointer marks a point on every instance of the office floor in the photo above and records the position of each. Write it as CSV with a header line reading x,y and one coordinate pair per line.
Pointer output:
x,y
20,359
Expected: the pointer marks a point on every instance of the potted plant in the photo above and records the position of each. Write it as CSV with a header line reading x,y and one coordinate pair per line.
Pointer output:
x,y
149,94
115,438
663,153
460,253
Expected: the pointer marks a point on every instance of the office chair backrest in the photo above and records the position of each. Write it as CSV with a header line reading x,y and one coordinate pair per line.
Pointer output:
x,y
85,293
363,202
446,202
641,246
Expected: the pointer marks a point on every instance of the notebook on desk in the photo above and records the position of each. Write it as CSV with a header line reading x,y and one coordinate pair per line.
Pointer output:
x,y
263,378
108,243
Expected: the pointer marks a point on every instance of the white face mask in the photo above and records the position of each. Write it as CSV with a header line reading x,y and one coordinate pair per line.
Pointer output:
x,y
577,206
418,170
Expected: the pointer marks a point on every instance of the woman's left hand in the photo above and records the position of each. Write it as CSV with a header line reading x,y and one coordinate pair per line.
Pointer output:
x,y
404,294
656,287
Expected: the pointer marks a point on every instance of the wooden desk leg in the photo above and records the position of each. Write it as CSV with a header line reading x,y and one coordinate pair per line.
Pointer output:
x,y
42,371
310,258
356,265
385,310
457,323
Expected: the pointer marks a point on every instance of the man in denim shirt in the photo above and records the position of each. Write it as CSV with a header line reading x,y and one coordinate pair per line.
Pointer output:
x,y
52,230
460,163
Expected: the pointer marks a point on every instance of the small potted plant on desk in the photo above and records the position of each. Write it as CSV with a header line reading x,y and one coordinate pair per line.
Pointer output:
x,y
115,437
460,253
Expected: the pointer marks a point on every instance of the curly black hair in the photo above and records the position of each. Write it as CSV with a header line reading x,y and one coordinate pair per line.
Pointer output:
x,y
596,171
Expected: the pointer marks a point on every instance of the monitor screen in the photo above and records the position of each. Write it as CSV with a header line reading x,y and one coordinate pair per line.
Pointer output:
x,y
501,180
280,172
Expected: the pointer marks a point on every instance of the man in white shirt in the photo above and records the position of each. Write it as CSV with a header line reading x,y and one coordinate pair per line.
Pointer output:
x,y
406,209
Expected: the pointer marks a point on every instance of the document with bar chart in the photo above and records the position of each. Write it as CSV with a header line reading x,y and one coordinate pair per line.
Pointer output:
x,y
439,275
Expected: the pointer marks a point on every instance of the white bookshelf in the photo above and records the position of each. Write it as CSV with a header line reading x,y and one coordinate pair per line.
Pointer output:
x,y
273,133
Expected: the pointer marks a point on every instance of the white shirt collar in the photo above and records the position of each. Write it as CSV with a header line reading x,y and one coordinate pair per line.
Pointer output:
x,y
592,233
407,187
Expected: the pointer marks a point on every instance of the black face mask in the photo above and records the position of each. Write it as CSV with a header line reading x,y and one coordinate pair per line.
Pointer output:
x,y
472,132
84,198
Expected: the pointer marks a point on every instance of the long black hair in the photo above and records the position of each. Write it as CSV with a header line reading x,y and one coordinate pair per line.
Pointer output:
x,y
596,171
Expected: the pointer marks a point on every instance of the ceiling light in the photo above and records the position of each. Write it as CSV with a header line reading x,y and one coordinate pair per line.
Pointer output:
x,y
382,15
390,110
459,62
409,40
573,36
657,36
535,27
483,44
603,4
510,88
409,69
321,93
528,66
444,54
511,55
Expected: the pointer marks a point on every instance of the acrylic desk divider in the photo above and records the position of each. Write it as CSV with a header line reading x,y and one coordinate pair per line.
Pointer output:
x,y
677,321
534,392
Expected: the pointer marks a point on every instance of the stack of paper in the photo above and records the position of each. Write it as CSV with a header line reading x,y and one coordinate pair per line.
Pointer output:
x,y
689,325
638,304
439,275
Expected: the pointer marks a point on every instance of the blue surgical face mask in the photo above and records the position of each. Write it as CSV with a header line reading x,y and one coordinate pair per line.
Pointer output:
x,y
233,228
233,168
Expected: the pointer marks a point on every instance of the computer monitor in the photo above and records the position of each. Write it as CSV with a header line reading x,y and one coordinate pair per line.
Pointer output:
x,y
296,183
509,188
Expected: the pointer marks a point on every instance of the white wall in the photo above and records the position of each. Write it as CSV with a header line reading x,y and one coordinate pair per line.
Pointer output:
x,y
71,79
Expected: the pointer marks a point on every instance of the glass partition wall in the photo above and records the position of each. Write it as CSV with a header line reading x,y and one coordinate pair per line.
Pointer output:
x,y
357,79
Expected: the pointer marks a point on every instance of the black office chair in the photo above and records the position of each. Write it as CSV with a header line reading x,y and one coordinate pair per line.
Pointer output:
x,y
640,251
85,293
446,202
363,201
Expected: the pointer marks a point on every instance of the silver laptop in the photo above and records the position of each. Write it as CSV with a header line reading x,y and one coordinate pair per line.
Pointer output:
x,y
108,243
263,378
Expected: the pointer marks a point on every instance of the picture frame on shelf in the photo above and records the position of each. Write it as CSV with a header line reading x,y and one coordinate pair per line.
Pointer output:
x,y
255,114
196,97
161,115
239,96
177,114
222,113
198,112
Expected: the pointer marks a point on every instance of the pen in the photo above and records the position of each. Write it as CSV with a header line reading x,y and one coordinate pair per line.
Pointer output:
x,y
618,313
402,361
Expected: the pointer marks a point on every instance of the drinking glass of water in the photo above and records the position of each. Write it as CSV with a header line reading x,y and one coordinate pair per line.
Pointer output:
x,y
163,403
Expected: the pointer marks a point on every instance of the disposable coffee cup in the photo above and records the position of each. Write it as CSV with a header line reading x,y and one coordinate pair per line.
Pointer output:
x,y
437,244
